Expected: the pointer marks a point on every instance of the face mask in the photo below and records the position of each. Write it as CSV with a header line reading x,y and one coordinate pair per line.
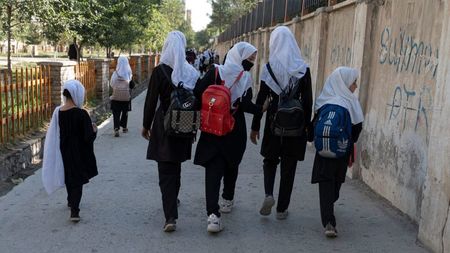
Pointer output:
x,y
247,65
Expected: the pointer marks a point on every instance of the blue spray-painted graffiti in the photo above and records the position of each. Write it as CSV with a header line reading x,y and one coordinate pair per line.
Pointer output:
x,y
408,55
407,103
341,55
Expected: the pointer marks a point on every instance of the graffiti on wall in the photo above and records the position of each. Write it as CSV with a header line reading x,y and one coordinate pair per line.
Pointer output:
x,y
409,104
341,55
306,52
407,54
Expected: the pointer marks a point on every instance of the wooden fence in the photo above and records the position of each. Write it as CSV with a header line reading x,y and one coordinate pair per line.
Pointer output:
x,y
146,66
25,101
85,73
113,64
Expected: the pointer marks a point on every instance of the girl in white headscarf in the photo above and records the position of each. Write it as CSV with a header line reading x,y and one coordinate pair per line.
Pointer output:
x,y
121,82
69,148
221,155
289,71
168,151
330,173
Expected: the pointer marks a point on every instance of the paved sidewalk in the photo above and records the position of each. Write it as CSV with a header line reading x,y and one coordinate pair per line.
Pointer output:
x,y
121,210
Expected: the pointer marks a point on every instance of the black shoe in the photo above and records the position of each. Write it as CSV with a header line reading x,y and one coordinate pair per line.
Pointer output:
x,y
75,216
170,226
178,202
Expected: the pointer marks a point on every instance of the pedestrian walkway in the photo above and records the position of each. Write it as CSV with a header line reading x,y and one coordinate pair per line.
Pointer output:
x,y
121,210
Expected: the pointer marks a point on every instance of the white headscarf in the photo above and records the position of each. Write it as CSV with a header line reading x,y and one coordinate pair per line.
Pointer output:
x,y
52,165
123,70
285,60
336,91
174,55
233,67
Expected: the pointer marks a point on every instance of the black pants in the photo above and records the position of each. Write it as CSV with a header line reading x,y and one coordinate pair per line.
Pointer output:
x,y
120,113
169,183
329,194
120,118
214,171
287,176
74,196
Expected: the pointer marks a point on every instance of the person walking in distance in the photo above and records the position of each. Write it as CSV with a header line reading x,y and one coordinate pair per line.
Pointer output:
x,y
73,51
121,82
69,157
286,74
168,151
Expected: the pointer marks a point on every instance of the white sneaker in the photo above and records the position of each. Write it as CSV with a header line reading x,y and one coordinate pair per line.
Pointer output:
x,y
282,215
214,224
330,231
226,206
267,205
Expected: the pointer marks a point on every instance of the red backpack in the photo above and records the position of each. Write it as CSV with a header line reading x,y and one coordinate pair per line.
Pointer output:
x,y
216,117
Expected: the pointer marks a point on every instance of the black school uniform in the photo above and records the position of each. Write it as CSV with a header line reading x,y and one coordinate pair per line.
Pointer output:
x,y
287,150
168,151
77,151
330,173
221,155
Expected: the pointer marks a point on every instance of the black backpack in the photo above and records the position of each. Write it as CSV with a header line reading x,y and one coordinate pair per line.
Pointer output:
x,y
289,118
182,119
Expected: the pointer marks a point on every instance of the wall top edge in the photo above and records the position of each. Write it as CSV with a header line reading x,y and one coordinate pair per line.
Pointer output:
x,y
344,4
100,59
58,63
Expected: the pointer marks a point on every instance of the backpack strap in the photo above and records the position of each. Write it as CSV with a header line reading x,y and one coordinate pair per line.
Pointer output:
x,y
273,75
163,68
216,74
237,79
292,92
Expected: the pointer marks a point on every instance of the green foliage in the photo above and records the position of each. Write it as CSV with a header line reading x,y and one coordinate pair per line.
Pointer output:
x,y
157,29
30,33
119,24
13,13
166,17
202,38
226,12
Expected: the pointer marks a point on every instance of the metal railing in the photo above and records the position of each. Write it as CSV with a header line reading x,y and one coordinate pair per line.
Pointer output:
x,y
271,12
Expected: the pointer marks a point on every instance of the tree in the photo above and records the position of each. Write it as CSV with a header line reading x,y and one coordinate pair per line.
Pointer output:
x,y
165,17
123,23
108,23
12,14
174,11
157,29
202,38
226,12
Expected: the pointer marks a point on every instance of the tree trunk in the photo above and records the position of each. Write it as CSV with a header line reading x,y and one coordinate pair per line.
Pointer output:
x,y
108,52
9,33
79,52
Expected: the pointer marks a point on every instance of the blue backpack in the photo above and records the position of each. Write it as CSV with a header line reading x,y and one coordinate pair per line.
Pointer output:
x,y
333,131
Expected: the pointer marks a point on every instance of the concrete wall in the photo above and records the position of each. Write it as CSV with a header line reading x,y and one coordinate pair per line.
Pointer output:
x,y
399,113
434,226
403,152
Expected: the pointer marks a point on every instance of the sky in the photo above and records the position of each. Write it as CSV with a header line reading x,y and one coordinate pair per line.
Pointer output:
x,y
200,10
